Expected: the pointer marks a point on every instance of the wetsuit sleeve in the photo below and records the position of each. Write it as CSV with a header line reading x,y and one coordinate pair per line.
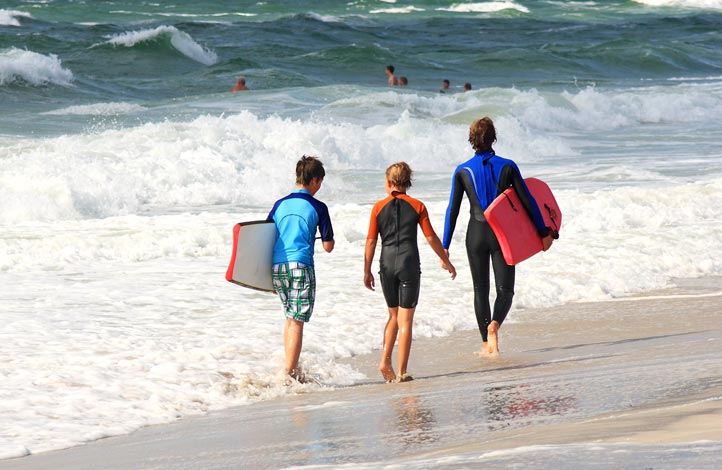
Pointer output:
x,y
452,210
510,176
373,232
425,222
324,223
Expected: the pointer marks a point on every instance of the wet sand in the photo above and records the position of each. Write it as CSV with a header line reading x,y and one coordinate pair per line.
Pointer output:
x,y
644,372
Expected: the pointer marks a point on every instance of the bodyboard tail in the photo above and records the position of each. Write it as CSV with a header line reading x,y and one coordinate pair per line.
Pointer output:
x,y
252,255
517,235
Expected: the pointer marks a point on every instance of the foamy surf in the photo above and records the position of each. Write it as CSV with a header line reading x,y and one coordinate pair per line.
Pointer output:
x,y
18,65
487,7
687,4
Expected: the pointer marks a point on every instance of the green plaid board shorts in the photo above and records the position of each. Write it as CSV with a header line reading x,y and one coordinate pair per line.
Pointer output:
x,y
296,286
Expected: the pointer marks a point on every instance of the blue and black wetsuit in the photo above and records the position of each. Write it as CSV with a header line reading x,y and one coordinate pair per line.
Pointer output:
x,y
483,178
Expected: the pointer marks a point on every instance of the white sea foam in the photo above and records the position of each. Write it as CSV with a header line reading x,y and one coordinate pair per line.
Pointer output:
x,y
397,10
704,4
180,40
115,244
11,17
33,68
486,7
98,109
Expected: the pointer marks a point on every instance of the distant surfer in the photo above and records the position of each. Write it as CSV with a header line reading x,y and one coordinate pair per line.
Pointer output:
x,y
483,178
445,84
390,73
467,86
396,219
297,217
240,85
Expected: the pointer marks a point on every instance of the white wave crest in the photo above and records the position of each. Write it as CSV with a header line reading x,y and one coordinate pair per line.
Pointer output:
x,y
98,109
10,17
704,4
31,67
409,9
180,40
488,7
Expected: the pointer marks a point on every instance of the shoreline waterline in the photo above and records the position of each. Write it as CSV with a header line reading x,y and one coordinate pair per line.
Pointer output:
x,y
555,384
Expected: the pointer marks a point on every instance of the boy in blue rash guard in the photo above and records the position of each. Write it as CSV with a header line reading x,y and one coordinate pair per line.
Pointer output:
x,y
297,217
482,178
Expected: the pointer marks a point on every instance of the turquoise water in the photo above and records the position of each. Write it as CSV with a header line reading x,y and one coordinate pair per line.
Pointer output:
x,y
152,54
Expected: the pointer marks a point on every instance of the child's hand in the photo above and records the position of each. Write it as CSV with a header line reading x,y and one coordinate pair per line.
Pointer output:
x,y
449,267
369,281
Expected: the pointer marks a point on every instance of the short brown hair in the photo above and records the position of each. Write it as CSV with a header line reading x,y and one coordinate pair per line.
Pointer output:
x,y
399,174
482,134
307,169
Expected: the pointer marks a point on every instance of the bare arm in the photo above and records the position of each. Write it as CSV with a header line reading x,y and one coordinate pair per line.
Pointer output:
x,y
443,254
368,259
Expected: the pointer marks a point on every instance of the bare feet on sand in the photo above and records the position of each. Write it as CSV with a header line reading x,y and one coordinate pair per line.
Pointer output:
x,y
298,375
387,371
404,378
492,346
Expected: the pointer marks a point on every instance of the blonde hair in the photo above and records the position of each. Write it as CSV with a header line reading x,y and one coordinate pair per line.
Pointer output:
x,y
399,174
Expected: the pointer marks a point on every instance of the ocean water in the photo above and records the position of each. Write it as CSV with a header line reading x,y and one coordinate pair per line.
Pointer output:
x,y
125,162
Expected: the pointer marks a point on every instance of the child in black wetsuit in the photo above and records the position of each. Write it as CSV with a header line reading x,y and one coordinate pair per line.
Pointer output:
x,y
396,219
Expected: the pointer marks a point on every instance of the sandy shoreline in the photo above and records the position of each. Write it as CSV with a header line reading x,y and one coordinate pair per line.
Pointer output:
x,y
635,371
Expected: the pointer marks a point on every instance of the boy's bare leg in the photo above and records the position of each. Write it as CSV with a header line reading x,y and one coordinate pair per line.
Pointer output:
x,y
292,342
492,346
390,331
405,325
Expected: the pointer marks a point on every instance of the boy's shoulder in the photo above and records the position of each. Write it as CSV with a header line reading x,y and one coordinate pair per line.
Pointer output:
x,y
297,201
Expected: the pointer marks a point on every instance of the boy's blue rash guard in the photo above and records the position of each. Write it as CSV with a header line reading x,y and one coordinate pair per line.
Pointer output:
x,y
296,217
487,175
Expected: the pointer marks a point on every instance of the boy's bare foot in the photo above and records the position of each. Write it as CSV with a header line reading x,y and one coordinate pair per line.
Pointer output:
x,y
404,378
387,371
493,335
298,375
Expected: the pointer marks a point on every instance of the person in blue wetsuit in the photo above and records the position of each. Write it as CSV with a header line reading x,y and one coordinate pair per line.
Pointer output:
x,y
297,217
482,179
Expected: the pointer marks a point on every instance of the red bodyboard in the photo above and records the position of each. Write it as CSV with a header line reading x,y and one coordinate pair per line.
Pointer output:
x,y
517,235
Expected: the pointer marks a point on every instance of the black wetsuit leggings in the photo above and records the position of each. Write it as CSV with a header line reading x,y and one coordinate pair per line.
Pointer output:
x,y
482,246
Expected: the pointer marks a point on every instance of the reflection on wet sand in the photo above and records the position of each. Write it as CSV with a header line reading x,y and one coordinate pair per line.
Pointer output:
x,y
524,404
415,422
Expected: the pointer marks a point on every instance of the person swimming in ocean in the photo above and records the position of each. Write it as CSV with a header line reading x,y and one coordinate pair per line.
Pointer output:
x,y
396,219
240,85
390,73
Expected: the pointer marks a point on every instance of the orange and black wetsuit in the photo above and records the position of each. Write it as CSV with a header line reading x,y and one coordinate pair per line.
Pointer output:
x,y
396,219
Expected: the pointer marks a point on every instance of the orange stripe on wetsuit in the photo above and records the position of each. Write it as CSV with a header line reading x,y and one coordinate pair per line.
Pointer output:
x,y
396,219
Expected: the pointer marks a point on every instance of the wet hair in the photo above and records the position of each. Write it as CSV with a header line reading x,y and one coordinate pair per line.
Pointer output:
x,y
482,134
467,86
446,82
403,81
399,174
307,169
390,68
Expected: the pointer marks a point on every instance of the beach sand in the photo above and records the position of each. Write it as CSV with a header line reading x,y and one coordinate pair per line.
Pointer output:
x,y
633,383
